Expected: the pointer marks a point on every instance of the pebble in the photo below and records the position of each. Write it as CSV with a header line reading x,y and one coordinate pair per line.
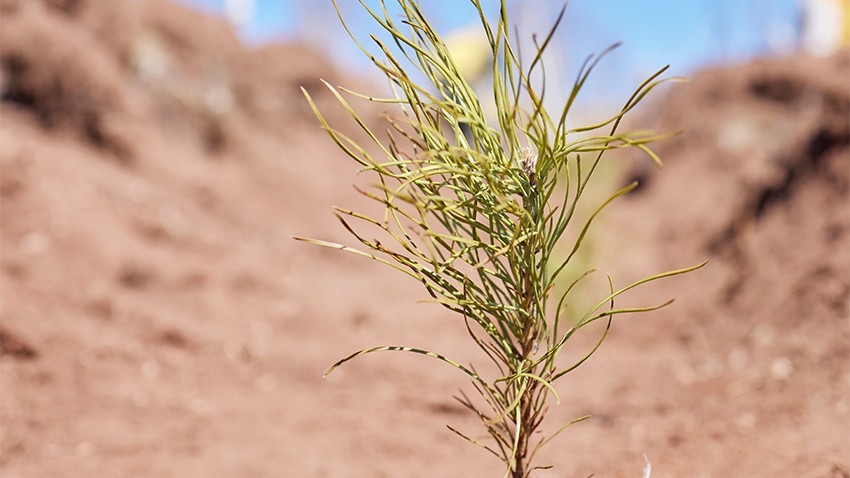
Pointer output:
x,y
150,369
35,243
781,368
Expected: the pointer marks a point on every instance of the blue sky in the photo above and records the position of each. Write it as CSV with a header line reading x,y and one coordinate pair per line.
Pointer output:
x,y
686,31
687,34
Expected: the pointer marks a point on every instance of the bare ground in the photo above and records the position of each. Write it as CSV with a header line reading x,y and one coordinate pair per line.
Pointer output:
x,y
157,319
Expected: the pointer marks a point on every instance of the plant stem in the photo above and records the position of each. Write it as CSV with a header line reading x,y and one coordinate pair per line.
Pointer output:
x,y
526,386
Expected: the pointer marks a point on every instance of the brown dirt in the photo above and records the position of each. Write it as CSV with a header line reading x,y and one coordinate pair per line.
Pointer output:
x,y
157,319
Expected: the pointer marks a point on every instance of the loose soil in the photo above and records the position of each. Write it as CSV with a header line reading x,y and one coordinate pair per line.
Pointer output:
x,y
158,320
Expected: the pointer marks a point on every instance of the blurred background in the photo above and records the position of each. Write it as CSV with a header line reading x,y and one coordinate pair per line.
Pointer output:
x,y
686,35
691,34
157,319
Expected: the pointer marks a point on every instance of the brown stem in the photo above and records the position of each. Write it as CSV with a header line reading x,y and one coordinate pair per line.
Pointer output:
x,y
527,418
526,404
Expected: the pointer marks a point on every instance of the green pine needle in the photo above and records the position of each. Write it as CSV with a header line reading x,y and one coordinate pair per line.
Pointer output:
x,y
475,208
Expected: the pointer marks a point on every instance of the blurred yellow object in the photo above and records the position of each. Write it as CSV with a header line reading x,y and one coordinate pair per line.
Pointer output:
x,y
471,52
846,37
825,26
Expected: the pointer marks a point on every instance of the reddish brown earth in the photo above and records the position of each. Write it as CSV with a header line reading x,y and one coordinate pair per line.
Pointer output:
x,y
157,319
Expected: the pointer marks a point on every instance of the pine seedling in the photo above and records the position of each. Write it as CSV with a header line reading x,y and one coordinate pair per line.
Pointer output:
x,y
475,211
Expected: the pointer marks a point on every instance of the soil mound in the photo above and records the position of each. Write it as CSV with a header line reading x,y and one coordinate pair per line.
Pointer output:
x,y
153,171
759,183
112,71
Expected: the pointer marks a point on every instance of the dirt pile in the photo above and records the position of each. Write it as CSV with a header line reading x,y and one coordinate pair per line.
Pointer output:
x,y
157,320
120,69
153,171
759,184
